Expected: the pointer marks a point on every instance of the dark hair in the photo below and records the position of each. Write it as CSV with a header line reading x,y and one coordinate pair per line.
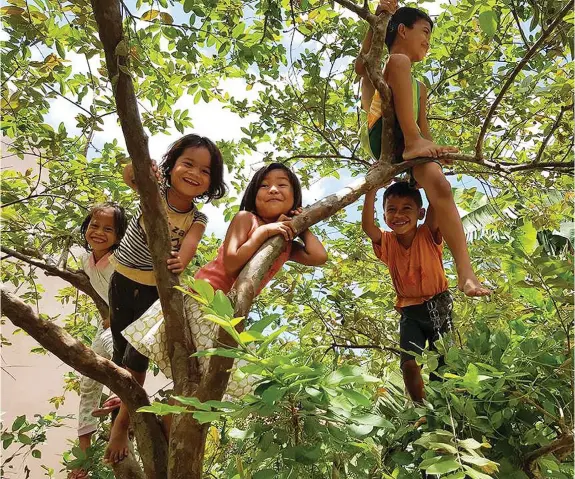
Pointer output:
x,y
217,188
403,190
406,16
120,222
249,199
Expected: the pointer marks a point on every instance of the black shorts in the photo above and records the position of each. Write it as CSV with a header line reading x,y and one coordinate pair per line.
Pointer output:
x,y
423,323
128,301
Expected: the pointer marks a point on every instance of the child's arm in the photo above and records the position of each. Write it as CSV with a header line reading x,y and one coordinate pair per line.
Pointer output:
x,y
311,253
182,258
367,88
368,217
239,247
431,223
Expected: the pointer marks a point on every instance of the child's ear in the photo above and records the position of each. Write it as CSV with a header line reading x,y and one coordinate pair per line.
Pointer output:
x,y
401,30
421,214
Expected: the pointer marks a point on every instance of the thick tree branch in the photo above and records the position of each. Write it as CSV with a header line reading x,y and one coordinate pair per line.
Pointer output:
x,y
88,363
76,278
109,19
511,78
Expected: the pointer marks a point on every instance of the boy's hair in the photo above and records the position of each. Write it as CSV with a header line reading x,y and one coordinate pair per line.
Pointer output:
x,y
217,188
249,199
406,15
403,190
120,222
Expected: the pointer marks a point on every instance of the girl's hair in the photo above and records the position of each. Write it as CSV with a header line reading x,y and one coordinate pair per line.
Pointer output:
x,y
249,200
120,222
217,188
406,15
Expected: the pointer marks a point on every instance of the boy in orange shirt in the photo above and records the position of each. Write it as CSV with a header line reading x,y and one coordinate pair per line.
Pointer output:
x,y
414,257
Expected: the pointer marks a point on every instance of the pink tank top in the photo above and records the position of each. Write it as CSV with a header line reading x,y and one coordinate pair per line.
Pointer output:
x,y
215,273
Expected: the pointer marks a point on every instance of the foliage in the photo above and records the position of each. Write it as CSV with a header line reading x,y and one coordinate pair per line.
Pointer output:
x,y
317,410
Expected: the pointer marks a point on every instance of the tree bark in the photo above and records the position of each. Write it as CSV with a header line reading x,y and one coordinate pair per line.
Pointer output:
x,y
88,363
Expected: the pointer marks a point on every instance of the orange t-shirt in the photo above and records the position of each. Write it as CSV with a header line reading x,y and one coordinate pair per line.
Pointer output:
x,y
416,272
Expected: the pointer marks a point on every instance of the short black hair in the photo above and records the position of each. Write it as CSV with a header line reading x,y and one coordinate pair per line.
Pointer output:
x,y
217,188
403,190
406,15
248,202
120,222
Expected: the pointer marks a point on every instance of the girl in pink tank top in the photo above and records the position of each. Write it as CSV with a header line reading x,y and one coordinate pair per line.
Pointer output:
x,y
271,199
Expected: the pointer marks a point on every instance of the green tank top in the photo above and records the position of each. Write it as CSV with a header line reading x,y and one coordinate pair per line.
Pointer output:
x,y
372,123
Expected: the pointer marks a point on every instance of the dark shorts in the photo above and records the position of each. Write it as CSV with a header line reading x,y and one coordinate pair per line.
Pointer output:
x,y
423,323
128,301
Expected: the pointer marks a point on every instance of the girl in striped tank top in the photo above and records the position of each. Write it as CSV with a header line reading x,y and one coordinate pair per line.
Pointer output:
x,y
192,169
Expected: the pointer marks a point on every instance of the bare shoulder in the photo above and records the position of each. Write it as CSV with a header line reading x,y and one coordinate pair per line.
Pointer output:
x,y
396,60
242,218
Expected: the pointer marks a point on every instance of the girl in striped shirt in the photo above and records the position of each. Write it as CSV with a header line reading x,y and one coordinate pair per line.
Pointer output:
x,y
191,169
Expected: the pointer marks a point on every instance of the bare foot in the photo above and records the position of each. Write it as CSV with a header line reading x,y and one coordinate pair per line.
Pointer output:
x,y
422,148
118,446
472,287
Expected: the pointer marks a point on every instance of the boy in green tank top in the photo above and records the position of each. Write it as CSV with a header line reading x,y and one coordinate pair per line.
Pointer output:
x,y
407,39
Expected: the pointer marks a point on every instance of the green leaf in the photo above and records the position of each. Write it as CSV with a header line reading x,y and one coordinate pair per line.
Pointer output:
x,y
273,394
442,466
162,409
474,474
222,305
488,22
36,453
357,397
18,423
24,439
192,401
204,289
371,420
204,417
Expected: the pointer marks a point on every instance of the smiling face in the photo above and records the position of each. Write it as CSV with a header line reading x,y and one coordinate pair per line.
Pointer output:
x,y
275,195
190,175
401,214
101,233
415,39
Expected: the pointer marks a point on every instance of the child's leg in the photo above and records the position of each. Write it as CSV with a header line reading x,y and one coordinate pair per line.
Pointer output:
x,y
398,77
412,338
118,446
438,191
413,380
90,394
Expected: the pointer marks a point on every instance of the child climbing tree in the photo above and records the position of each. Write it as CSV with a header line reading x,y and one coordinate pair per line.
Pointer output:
x,y
497,107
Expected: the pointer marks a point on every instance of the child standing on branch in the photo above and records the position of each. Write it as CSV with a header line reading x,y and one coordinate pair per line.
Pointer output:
x,y
407,39
102,231
191,169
